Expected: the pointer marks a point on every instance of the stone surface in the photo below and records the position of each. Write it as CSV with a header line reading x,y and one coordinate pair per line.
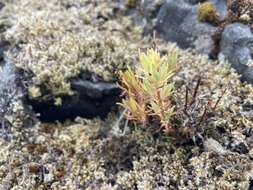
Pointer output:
x,y
212,145
220,6
7,88
144,15
91,98
177,22
236,47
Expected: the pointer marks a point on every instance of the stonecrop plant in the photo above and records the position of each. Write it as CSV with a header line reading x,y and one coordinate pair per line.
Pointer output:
x,y
149,89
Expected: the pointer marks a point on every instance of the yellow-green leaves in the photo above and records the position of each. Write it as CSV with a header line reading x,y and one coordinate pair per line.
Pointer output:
x,y
137,110
149,90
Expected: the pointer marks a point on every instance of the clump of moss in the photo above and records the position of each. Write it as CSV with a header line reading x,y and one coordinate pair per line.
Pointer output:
x,y
207,13
131,3
56,43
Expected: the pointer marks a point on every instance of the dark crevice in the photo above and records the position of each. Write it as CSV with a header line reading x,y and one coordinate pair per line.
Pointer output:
x,y
250,184
91,99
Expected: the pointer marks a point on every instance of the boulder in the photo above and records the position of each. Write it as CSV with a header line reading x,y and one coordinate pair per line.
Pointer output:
x,y
178,22
236,47
220,6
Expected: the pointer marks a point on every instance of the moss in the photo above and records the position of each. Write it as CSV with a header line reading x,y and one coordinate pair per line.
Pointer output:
x,y
57,42
131,3
207,13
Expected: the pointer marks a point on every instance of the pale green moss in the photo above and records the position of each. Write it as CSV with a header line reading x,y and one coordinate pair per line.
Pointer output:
x,y
56,43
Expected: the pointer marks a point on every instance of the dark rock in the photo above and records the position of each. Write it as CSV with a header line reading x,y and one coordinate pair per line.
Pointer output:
x,y
4,45
1,5
236,47
194,2
91,99
177,21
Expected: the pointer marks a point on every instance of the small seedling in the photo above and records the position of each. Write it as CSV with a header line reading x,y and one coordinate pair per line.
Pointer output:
x,y
148,91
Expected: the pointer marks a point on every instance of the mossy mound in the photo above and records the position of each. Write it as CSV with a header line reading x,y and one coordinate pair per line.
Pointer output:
x,y
53,41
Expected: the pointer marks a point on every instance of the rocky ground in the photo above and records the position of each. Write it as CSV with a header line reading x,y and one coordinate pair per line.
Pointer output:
x,y
60,128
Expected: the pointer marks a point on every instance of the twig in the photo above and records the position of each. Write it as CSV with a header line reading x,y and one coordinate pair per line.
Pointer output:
x,y
154,44
197,88
219,99
202,118
195,91
186,98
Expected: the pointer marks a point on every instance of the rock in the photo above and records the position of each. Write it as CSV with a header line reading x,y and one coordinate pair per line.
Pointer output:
x,y
212,145
220,6
194,1
177,21
145,15
7,88
91,98
1,5
151,7
7,79
236,47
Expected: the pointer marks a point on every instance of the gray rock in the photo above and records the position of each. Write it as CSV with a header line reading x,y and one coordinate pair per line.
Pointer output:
x,y
220,6
212,145
7,87
145,15
194,1
150,7
236,47
177,21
